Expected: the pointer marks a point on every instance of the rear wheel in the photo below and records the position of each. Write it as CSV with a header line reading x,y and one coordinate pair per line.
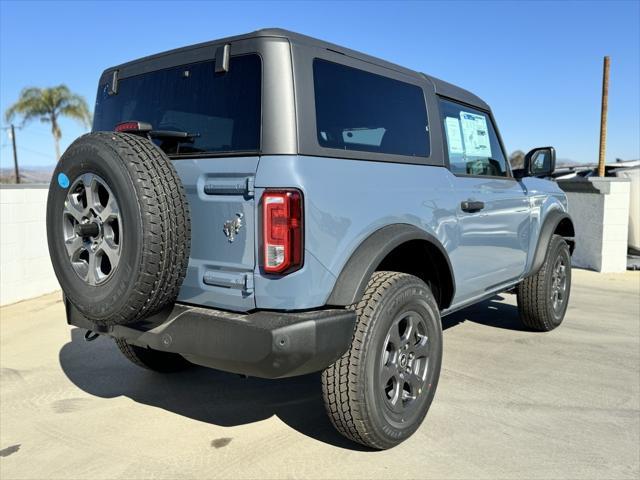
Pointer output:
x,y
543,298
163,362
379,392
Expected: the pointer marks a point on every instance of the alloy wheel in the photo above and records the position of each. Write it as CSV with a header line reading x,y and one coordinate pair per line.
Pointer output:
x,y
92,229
558,284
404,362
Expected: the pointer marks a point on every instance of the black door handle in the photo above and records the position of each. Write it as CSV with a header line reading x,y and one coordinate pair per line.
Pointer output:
x,y
469,206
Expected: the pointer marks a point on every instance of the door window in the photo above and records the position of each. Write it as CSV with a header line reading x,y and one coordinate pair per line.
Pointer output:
x,y
472,143
362,111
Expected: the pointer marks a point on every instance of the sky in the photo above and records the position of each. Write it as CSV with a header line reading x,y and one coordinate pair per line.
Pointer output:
x,y
537,64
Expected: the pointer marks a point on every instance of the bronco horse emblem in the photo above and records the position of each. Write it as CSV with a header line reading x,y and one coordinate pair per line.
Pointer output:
x,y
232,227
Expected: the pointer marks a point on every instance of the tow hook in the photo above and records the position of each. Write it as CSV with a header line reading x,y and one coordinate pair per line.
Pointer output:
x,y
90,335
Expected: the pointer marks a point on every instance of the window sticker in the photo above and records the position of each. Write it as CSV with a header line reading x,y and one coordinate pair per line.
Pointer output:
x,y
454,137
476,135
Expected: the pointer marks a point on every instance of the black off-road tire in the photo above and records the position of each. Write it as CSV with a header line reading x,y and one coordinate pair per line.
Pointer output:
x,y
163,362
535,293
352,389
156,229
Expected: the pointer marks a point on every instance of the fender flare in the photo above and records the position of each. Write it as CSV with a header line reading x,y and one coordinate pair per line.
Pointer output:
x,y
354,277
549,226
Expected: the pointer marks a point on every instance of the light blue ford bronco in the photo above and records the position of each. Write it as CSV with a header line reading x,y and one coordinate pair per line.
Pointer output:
x,y
273,205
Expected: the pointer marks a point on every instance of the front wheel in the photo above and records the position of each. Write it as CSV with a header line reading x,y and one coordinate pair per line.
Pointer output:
x,y
379,391
543,298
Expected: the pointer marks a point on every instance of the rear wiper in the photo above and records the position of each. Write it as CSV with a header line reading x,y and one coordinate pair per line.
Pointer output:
x,y
175,135
145,129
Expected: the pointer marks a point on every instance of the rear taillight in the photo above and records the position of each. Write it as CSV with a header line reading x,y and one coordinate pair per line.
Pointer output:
x,y
282,230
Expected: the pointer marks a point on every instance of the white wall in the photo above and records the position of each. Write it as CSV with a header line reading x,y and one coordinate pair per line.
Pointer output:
x,y
599,208
633,174
25,268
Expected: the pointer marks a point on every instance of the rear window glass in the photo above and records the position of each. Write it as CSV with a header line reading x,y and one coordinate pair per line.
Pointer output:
x,y
222,111
358,110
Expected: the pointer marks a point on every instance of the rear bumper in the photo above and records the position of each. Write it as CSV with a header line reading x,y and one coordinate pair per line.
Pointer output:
x,y
262,344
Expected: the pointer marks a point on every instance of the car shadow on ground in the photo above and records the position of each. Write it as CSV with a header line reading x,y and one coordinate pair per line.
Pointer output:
x,y
224,399
491,312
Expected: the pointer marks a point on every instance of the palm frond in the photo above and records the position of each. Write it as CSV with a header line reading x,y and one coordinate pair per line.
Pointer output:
x,y
43,103
30,105
48,105
75,106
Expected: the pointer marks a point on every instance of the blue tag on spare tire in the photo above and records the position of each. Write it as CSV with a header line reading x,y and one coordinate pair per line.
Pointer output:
x,y
63,180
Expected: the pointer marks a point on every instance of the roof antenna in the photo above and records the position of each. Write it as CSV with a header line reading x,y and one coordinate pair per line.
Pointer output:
x,y
222,58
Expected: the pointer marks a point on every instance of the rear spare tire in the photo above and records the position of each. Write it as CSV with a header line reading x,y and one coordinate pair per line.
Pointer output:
x,y
118,227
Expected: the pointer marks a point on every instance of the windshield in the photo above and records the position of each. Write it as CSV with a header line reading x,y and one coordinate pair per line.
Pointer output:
x,y
221,111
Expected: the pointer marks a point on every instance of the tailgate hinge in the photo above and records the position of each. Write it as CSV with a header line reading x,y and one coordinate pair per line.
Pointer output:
x,y
248,283
250,187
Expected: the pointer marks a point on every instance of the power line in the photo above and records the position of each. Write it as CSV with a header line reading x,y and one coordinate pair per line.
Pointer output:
x,y
30,150
36,132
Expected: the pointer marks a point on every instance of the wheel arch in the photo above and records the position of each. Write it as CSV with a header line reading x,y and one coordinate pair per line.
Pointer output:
x,y
396,247
555,223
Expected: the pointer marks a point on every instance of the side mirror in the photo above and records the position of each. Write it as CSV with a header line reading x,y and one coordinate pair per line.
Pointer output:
x,y
539,162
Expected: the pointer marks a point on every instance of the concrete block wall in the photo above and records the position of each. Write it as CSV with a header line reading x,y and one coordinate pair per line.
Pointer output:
x,y
599,208
25,268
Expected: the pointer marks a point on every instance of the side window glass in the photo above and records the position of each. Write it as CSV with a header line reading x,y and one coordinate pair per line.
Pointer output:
x,y
472,144
362,111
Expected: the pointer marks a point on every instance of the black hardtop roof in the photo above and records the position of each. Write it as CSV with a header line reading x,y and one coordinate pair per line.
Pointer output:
x,y
441,87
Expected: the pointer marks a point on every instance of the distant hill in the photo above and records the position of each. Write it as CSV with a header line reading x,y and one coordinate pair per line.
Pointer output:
x,y
27,175
565,162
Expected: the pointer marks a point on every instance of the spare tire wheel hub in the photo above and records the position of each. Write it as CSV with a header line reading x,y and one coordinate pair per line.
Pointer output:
x,y
92,229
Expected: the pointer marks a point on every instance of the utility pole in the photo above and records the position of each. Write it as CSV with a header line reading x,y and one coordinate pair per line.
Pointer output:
x,y
603,116
15,153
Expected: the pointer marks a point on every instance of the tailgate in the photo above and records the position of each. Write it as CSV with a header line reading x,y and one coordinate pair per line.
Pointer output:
x,y
220,195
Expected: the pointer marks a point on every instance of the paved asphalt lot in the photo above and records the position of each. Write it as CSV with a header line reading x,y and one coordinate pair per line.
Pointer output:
x,y
511,403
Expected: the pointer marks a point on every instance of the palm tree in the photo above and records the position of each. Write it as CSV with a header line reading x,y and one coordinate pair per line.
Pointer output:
x,y
49,104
